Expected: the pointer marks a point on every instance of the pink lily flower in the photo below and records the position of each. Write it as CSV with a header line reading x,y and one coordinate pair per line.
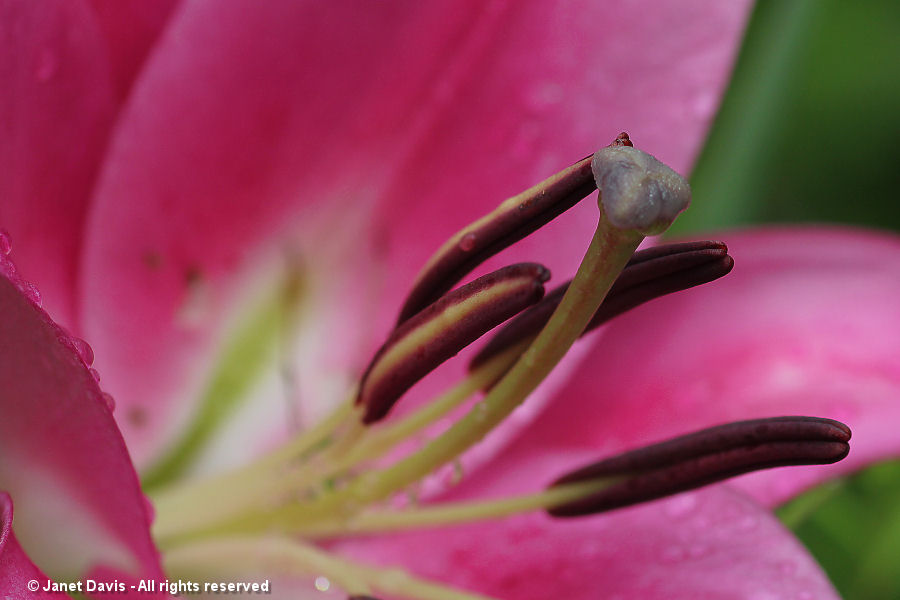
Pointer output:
x,y
207,198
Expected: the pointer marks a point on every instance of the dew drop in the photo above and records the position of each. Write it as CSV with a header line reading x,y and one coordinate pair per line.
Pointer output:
x,y
5,243
109,401
95,374
84,350
322,584
46,65
31,292
467,242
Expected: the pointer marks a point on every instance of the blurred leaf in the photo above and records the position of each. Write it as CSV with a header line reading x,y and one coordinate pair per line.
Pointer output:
x,y
809,129
853,530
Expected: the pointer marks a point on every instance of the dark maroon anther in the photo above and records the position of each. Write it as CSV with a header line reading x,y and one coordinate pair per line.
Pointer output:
x,y
656,274
705,457
421,343
362,598
513,220
649,274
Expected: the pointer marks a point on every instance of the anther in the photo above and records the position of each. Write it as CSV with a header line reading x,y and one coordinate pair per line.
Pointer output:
x,y
435,334
706,457
649,274
514,219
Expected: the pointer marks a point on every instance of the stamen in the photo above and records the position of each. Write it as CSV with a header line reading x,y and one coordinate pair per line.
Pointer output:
x,y
612,246
437,333
443,328
649,274
706,457
513,220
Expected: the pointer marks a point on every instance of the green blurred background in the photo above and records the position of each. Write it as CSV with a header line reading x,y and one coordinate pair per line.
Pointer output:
x,y
810,132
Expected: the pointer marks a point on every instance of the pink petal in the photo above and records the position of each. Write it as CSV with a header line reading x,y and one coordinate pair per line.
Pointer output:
x,y
16,570
805,324
61,456
57,107
131,27
284,125
713,544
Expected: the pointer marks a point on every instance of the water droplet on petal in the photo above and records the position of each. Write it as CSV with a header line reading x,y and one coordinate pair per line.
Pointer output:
x,y
467,242
95,374
46,65
110,401
84,350
5,243
322,584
